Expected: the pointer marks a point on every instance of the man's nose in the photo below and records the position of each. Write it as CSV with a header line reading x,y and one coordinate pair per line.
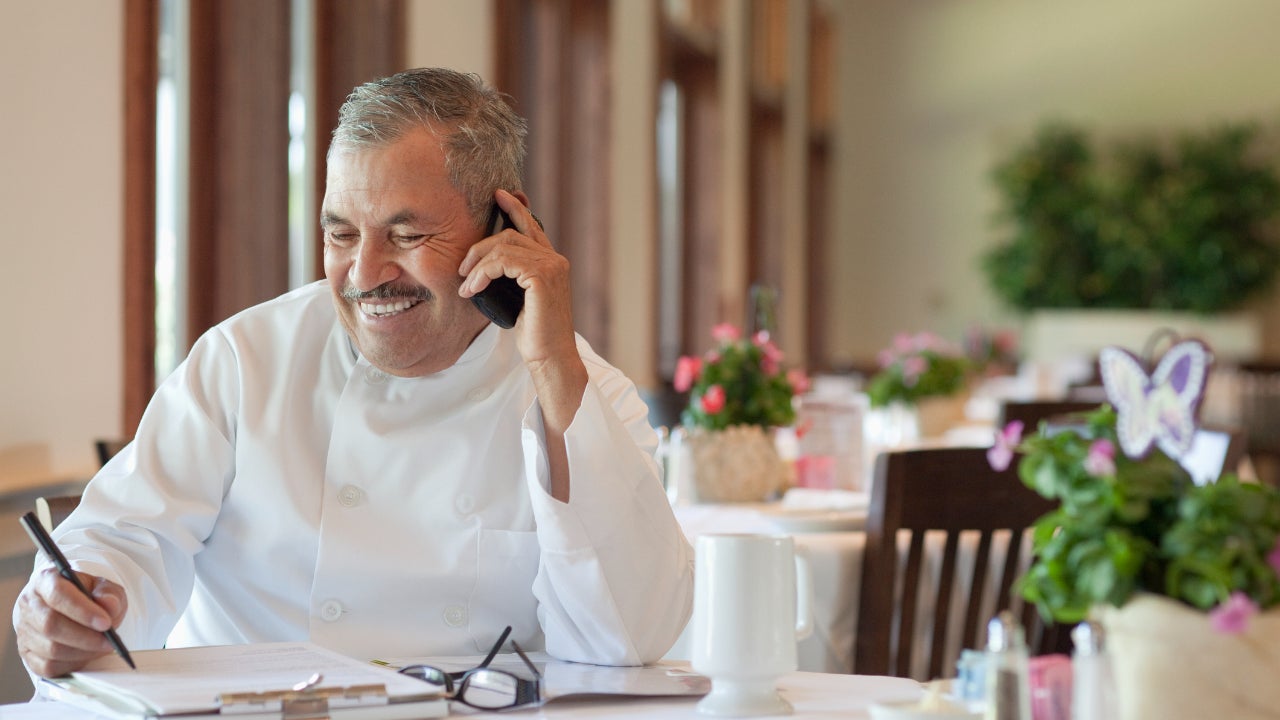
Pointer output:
x,y
374,264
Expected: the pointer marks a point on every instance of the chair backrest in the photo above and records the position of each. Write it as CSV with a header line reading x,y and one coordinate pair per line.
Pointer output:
x,y
1031,412
950,491
107,448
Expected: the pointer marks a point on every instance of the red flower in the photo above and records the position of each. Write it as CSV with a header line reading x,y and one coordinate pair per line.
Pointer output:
x,y
799,381
687,369
725,333
713,400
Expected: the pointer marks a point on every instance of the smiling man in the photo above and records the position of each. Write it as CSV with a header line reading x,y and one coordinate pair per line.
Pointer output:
x,y
367,462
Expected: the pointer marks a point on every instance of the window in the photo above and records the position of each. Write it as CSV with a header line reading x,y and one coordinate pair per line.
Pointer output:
x,y
222,166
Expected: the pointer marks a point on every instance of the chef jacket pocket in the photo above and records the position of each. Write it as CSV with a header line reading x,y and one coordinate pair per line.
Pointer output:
x,y
507,562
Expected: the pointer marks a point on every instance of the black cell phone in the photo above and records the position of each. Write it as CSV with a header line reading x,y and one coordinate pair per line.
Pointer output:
x,y
502,299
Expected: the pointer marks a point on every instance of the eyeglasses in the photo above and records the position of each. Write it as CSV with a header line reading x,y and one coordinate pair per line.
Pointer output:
x,y
483,687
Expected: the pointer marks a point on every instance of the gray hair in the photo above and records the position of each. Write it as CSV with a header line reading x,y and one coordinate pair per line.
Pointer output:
x,y
483,137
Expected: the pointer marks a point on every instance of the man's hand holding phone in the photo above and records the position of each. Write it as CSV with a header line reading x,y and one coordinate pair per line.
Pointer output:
x,y
544,328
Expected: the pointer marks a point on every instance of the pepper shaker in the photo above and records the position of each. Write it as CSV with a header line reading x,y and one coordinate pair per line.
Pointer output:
x,y
1008,686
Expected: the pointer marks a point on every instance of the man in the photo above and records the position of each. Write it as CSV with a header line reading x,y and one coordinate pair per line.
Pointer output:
x,y
367,462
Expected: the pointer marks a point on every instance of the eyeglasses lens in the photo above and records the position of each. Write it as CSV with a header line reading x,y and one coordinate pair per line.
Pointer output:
x,y
429,675
490,689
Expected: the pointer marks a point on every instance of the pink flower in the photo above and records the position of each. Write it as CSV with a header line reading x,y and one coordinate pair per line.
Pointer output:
x,y
1001,453
886,358
713,400
1101,460
772,358
760,338
687,369
1232,615
799,381
903,343
1005,342
725,333
912,368
1273,557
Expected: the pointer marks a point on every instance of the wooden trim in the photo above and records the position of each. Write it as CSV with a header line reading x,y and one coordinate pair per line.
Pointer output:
x,y
354,42
238,183
141,74
552,58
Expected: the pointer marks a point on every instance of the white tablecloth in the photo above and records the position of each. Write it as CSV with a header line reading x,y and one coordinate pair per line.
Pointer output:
x,y
813,695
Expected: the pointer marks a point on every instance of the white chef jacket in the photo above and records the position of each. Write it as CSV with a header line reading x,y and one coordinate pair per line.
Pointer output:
x,y
282,488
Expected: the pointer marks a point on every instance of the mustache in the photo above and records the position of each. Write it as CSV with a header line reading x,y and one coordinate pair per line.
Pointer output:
x,y
388,291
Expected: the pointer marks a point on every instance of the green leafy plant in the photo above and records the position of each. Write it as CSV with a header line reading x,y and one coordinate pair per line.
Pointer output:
x,y
738,382
1128,525
916,367
1183,225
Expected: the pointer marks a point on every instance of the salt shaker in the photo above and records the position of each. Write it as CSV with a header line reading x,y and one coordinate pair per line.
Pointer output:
x,y
1093,688
1008,686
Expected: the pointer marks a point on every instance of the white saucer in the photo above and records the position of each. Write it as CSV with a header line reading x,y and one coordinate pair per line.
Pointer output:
x,y
813,520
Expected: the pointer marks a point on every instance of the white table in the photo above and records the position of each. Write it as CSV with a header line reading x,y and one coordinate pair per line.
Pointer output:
x,y
813,695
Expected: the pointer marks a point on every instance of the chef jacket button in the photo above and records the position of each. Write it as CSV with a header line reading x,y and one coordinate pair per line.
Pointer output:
x,y
464,504
350,496
456,615
375,376
478,394
331,610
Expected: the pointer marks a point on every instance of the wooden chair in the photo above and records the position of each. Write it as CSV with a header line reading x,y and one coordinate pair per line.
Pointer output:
x,y
951,490
107,448
1031,412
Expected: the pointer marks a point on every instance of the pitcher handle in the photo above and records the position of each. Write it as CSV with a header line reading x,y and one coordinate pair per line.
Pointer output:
x,y
804,599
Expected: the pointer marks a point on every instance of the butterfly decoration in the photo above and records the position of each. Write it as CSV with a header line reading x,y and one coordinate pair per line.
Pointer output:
x,y
1159,409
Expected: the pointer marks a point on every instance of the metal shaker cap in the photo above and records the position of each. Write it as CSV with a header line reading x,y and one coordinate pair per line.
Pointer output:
x,y
1088,638
1004,633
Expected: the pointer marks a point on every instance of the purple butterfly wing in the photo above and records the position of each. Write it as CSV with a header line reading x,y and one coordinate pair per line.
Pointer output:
x,y
1179,382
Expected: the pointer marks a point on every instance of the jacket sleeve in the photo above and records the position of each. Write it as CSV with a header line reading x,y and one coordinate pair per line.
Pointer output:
x,y
145,515
615,579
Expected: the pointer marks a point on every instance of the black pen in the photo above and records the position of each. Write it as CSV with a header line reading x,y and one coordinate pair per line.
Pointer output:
x,y
42,540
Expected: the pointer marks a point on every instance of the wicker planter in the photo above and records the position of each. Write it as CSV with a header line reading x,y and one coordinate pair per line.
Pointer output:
x,y
1169,663
737,464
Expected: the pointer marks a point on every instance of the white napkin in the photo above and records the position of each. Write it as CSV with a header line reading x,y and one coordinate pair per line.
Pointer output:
x,y
798,498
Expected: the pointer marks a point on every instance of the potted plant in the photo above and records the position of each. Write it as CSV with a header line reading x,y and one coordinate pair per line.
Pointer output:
x,y
1185,578
738,393
916,371
1183,227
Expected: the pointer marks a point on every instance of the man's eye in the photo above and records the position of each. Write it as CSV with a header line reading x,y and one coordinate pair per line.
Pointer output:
x,y
409,240
342,239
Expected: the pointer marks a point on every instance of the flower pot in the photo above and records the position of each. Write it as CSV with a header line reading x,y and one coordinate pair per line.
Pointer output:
x,y
737,464
940,413
1169,663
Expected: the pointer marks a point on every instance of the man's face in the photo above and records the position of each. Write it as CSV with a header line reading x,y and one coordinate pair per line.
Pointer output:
x,y
395,231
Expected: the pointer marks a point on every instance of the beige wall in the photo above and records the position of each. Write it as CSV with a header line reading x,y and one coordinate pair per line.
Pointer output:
x,y
935,92
451,33
60,198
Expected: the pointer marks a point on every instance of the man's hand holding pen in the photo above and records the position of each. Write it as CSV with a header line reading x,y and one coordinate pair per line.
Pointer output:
x,y
66,618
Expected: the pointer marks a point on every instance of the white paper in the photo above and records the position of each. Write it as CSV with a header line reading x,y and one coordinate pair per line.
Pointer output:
x,y
191,679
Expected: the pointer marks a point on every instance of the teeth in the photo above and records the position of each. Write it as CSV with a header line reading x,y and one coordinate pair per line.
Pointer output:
x,y
382,309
